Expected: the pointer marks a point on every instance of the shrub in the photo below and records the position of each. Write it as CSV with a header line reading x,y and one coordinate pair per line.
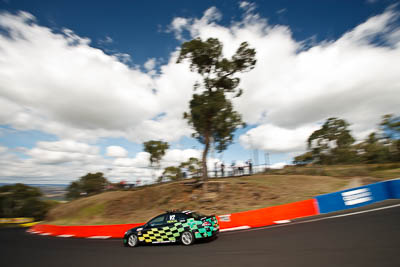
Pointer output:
x,y
21,200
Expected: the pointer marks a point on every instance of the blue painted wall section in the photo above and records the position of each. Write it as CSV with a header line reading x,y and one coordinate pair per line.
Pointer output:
x,y
394,188
359,196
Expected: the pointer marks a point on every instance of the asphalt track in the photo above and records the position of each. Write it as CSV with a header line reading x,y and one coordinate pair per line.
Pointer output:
x,y
363,239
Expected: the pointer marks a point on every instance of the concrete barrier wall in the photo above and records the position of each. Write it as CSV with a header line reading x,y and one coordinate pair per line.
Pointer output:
x,y
252,218
114,231
268,216
359,196
394,188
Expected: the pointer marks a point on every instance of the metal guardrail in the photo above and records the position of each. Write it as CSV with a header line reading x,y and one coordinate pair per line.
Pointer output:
x,y
231,171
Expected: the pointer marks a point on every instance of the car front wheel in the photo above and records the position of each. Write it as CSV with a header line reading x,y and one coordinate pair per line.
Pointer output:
x,y
132,241
187,238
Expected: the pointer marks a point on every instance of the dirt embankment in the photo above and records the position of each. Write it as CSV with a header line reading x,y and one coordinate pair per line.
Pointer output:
x,y
224,196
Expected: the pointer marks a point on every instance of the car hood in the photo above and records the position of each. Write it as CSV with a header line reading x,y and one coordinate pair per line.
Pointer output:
x,y
135,229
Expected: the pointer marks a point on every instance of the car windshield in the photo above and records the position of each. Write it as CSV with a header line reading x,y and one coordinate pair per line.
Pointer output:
x,y
157,220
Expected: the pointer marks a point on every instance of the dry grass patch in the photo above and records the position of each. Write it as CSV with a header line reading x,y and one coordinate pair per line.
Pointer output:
x,y
224,196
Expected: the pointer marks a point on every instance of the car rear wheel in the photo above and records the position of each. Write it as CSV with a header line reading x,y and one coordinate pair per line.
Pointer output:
x,y
187,238
132,241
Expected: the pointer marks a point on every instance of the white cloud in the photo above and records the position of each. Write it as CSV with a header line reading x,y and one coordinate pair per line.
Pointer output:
x,y
173,157
3,149
58,84
247,6
278,165
364,33
106,40
132,169
243,4
123,57
210,15
62,152
194,25
150,64
69,88
141,160
177,26
291,88
75,91
64,161
68,146
281,11
116,152
275,139
51,162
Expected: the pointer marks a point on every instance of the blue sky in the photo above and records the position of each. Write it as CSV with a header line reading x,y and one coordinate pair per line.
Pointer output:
x,y
84,83
139,28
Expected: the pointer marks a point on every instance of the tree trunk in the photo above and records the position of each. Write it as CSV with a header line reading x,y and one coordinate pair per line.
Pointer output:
x,y
204,158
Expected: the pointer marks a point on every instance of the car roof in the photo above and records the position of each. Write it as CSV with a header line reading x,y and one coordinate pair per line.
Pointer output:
x,y
187,212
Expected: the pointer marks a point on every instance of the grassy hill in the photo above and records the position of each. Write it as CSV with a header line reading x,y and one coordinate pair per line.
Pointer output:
x,y
224,196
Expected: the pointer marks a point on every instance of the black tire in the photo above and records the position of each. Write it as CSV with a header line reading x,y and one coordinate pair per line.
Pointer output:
x,y
187,238
132,241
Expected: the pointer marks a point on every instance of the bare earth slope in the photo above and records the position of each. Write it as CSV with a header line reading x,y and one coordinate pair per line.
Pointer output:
x,y
225,196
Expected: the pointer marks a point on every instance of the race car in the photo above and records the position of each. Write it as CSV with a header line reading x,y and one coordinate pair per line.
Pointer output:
x,y
173,226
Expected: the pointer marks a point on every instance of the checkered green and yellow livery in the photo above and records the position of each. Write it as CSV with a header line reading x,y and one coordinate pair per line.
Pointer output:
x,y
169,227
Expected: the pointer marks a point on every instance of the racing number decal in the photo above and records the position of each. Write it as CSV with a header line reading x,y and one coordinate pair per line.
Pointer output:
x,y
171,219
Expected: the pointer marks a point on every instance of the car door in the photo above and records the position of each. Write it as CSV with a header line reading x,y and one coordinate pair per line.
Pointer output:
x,y
152,232
173,226
168,233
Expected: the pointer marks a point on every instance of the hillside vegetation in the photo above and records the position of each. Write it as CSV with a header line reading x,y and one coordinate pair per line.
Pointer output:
x,y
378,171
227,195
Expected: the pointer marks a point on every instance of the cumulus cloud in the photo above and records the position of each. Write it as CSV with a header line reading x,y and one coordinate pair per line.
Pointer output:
x,y
174,157
177,26
133,169
116,152
65,160
278,165
272,138
106,40
51,162
150,64
193,25
292,87
58,83
248,7
62,151
3,149
141,160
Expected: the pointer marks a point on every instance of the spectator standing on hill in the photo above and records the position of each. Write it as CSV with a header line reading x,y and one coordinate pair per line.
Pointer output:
x,y
222,169
250,166
240,170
